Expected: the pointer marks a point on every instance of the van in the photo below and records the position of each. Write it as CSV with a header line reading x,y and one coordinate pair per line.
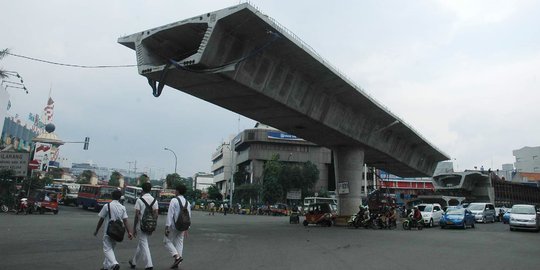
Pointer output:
x,y
483,212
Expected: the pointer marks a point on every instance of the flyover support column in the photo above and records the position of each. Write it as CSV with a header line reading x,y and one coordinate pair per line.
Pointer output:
x,y
348,165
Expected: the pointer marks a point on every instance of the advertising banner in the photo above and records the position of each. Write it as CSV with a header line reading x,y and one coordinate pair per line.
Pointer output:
x,y
282,136
42,156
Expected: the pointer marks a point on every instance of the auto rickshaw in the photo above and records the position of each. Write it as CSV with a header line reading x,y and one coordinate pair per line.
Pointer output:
x,y
44,201
320,214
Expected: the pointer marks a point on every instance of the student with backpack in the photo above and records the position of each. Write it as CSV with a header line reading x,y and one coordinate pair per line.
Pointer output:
x,y
116,225
177,224
146,214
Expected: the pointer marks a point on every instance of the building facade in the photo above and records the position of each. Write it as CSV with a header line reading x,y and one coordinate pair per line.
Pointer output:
x,y
252,148
222,165
527,159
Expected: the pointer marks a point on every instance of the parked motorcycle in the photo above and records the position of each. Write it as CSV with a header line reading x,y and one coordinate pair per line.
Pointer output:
x,y
3,206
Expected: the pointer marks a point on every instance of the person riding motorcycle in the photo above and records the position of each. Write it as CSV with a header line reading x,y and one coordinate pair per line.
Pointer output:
x,y
366,216
416,215
392,217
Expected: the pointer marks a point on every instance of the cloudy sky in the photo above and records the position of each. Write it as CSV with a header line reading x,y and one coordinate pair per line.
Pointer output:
x,y
464,74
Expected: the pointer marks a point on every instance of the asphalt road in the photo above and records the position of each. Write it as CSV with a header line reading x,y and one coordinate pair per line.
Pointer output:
x,y
65,241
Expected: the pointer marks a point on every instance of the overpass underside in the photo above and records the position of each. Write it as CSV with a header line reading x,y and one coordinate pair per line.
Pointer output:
x,y
244,61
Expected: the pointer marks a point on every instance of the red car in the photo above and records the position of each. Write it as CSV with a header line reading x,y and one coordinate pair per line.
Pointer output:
x,y
279,209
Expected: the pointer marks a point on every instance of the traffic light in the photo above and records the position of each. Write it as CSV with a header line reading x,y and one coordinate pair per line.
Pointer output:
x,y
86,143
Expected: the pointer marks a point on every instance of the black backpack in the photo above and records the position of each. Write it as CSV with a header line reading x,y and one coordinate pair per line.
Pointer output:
x,y
183,221
115,229
148,220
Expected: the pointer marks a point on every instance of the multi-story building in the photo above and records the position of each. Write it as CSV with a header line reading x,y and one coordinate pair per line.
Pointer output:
x,y
527,159
252,148
222,166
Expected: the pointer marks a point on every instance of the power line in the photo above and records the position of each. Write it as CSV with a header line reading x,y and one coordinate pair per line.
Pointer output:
x,y
69,65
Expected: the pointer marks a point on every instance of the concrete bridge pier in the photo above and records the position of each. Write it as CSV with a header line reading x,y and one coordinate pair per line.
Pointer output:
x,y
349,165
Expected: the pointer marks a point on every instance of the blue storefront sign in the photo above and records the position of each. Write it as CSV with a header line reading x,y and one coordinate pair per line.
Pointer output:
x,y
282,136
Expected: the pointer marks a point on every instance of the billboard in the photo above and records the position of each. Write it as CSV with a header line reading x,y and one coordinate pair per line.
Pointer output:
x,y
276,135
42,156
16,161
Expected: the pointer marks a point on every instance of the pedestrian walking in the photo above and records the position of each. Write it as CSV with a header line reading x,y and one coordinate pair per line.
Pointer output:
x,y
225,208
112,211
212,208
174,238
147,226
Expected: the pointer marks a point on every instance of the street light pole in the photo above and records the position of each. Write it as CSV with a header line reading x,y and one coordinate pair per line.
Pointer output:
x,y
175,158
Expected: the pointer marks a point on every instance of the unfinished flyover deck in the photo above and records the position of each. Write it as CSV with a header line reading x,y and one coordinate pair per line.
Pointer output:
x,y
244,61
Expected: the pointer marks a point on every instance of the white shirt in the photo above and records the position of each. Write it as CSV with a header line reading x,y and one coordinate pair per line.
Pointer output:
x,y
174,210
139,205
118,211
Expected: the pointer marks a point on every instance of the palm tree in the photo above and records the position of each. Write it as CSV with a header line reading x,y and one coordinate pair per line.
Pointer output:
x,y
3,73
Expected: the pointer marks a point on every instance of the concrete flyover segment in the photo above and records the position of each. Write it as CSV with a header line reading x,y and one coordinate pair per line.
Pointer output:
x,y
243,60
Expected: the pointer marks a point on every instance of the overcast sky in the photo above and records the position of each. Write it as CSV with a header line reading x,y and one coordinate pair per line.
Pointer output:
x,y
464,74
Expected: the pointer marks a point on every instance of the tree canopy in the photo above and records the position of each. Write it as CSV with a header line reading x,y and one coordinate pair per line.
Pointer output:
x,y
280,177
115,179
85,177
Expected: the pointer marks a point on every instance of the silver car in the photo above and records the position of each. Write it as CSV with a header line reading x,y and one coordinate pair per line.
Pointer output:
x,y
525,217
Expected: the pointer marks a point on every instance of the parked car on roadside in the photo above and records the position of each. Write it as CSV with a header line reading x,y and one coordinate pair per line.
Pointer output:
x,y
458,217
525,217
279,209
483,212
431,213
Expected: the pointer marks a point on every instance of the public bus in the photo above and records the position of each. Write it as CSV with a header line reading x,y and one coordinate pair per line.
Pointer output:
x,y
309,200
95,197
131,193
70,192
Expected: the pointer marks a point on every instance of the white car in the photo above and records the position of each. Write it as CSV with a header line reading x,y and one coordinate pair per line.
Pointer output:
x,y
431,213
525,217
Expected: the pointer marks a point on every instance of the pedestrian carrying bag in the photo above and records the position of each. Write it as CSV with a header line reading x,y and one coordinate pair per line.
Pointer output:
x,y
148,221
115,229
183,221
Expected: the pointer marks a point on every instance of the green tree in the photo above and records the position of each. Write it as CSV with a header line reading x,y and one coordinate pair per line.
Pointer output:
x,y
214,193
173,180
55,173
37,182
247,192
85,177
194,194
310,175
115,179
272,191
6,181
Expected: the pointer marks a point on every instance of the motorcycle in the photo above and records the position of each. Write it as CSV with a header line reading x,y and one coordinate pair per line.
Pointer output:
x,y
410,223
3,206
24,207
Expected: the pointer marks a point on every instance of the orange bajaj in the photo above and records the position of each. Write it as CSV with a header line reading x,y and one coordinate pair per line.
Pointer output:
x,y
319,214
44,201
